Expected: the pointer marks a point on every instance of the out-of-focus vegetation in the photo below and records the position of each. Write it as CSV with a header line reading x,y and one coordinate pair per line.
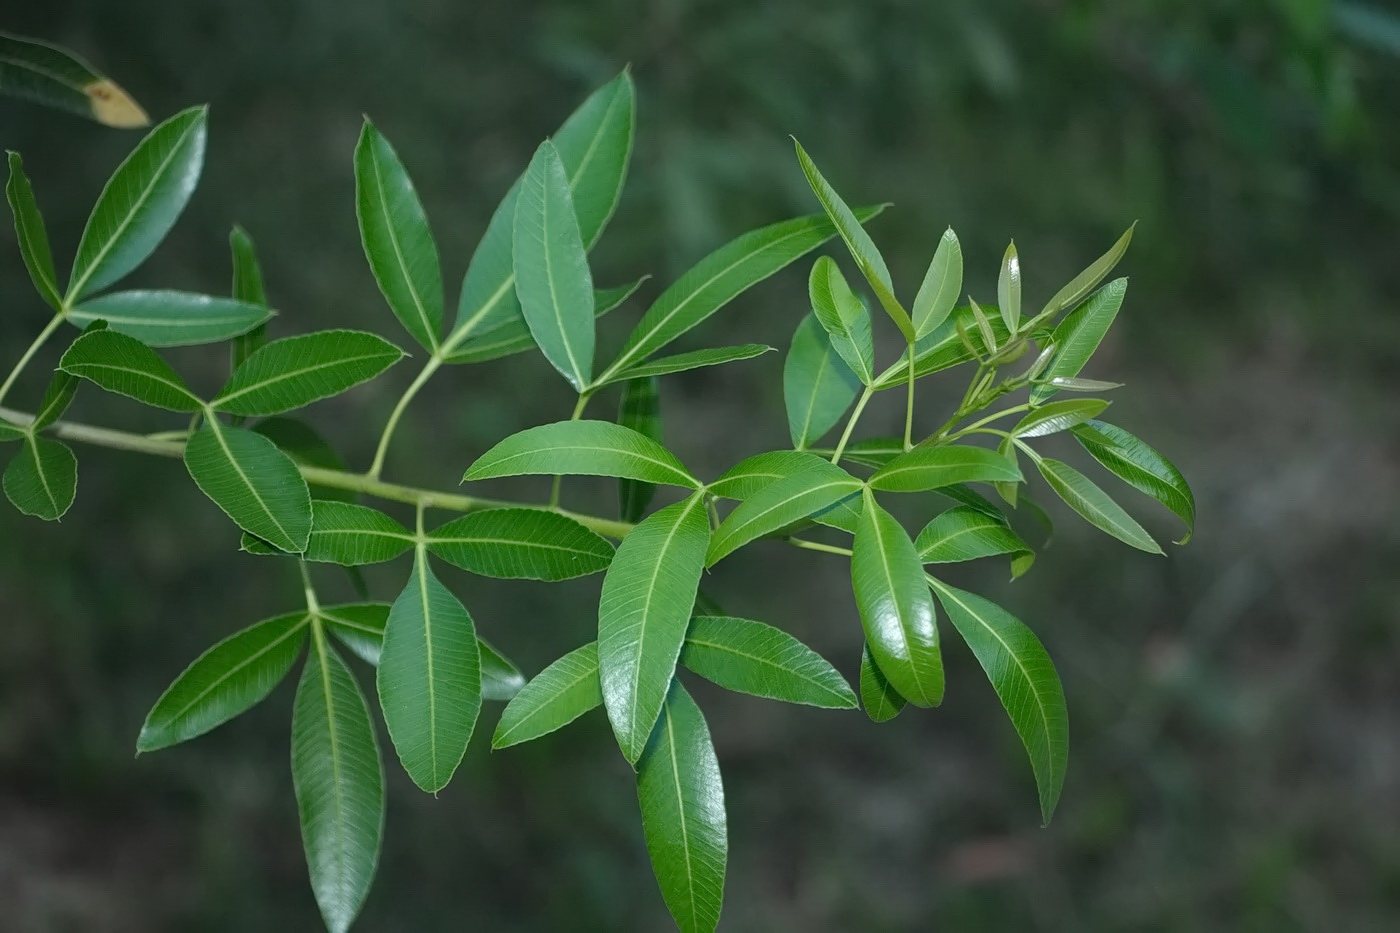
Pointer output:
x,y
1235,709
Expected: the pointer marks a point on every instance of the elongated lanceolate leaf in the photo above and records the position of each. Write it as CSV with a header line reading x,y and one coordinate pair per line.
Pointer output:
x,y
590,448
501,680
297,371
843,316
1009,288
520,544
964,533
171,319
895,606
942,349
1024,678
818,386
874,451
1058,416
942,284
257,485
339,782
299,440
643,614
1077,336
226,681
57,397
751,657
930,467
555,697
350,534
29,231
140,203
1085,282
695,359
779,505
359,626
397,239
882,702
640,410
10,432
55,76
751,474
127,366
42,479
682,801
1141,467
429,678
514,336
248,288
1095,505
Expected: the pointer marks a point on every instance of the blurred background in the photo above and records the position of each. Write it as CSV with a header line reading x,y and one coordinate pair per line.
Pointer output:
x,y
1235,708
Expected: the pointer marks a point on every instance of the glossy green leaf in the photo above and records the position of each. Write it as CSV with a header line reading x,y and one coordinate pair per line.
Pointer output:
x,y
695,359
339,783
966,495
963,533
1085,282
1072,384
248,288
514,336
55,76
30,232
683,818
780,504
299,440
843,316
42,479
359,627
589,448
875,451
1009,288
1141,467
1009,492
1078,335
882,702
297,371
1024,678
896,608
429,678
57,397
640,410
501,680
255,483
1058,416
758,659
844,515
127,366
818,386
170,318
751,474
397,239
350,534
520,544
225,681
140,203
930,467
942,349
643,615
555,697
942,284
1095,505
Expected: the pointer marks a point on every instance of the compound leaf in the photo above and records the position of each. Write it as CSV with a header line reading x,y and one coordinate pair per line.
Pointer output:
x,y
818,386
780,504
42,479
1086,281
695,359
1058,416
1095,505
1141,467
931,467
520,544
297,371
127,366
591,448
164,318
941,286
751,657
964,533
1077,336
350,534
843,316
29,229
555,697
882,702
255,483
751,474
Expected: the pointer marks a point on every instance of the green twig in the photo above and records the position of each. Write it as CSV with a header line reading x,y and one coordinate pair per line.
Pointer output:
x,y
34,348
851,423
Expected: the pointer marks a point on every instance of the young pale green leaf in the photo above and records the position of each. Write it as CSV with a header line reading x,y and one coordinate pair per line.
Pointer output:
x,y
127,366
552,278
640,410
225,681
1086,281
780,504
339,783
931,467
1009,288
1071,384
555,697
57,397
248,288
1058,416
843,316
1024,678
695,359
963,533
429,678
297,371
514,336
359,626
1141,467
1077,336
520,544
397,239
589,448
170,318
942,284
255,483
30,232
896,608
881,701
501,680
942,349
818,386
751,657
682,801
643,615
54,76
140,203
42,479
1095,505
751,474
299,440
350,534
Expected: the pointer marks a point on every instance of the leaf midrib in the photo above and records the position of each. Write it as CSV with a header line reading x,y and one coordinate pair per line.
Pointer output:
x,y
295,629
217,430
757,659
138,373
288,375
398,251
876,527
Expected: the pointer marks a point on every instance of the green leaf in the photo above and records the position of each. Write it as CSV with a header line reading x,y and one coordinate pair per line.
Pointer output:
x,y
10,432
170,318
695,359
1091,502
1023,677
349,534
56,77
429,678
29,228
875,451
843,316
1070,384
514,336
895,606
224,682
964,533
555,697
881,701
501,680
1009,288
719,278
643,615
751,474
57,397
248,288
942,284
1077,336
682,802
942,349
931,467
127,366
640,410
359,626
1086,281
552,278
780,504
140,203
299,440
1141,467
42,479
818,386
297,371
339,782
397,239
751,657
255,483
1058,416
966,495
520,544
589,448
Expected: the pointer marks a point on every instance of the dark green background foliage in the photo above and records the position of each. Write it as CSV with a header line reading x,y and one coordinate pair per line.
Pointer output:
x,y
1235,762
